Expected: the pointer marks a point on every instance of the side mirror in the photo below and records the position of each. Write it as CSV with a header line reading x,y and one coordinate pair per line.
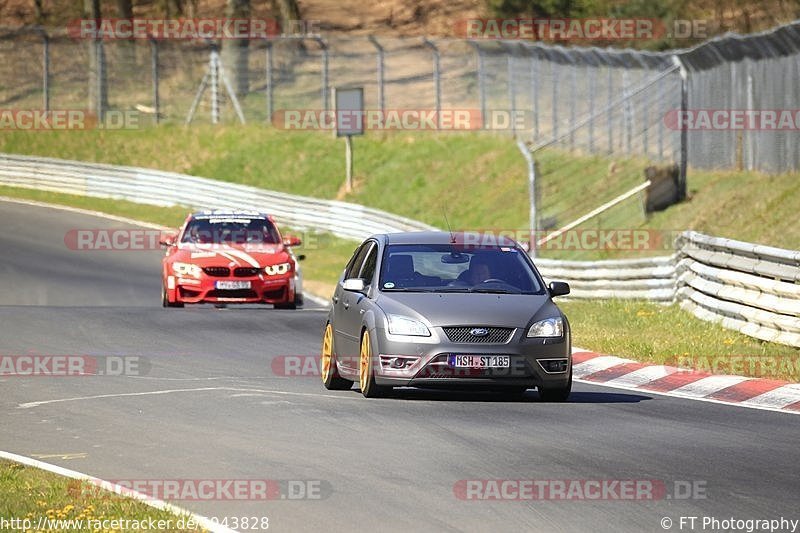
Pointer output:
x,y
168,239
558,288
353,285
300,257
291,240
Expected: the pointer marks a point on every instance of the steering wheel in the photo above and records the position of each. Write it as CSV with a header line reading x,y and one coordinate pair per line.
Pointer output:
x,y
494,280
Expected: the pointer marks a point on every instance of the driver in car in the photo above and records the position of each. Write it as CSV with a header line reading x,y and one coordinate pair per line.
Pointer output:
x,y
478,271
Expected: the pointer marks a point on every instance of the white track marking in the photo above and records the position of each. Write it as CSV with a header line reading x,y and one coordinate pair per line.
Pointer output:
x,y
29,405
118,489
780,397
708,386
597,364
642,376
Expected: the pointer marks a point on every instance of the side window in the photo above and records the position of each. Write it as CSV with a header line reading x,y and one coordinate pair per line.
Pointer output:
x,y
358,259
368,272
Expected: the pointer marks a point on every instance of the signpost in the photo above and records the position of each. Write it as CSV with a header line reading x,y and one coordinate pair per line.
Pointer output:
x,y
349,111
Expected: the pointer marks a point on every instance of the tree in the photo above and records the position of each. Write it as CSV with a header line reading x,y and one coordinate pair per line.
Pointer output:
x,y
98,81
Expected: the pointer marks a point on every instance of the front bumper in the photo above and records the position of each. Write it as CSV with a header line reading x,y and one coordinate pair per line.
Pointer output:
x,y
263,289
425,361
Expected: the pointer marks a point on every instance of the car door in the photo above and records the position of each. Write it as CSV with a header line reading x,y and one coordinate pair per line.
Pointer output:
x,y
343,337
352,308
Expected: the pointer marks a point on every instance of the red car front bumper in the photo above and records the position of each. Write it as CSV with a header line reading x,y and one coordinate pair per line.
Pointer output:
x,y
267,289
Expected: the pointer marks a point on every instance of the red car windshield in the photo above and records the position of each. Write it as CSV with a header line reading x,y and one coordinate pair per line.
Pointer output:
x,y
231,230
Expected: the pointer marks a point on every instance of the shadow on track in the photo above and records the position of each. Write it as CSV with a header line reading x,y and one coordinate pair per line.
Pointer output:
x,y
531,396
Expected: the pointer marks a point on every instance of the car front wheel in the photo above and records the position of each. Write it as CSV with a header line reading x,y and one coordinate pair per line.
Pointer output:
x,y
366,372
556,394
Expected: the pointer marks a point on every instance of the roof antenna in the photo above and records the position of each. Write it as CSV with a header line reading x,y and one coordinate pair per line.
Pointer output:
x,y
452,235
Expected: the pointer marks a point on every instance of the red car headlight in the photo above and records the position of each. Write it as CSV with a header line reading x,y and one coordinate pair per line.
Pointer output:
x,y
277,270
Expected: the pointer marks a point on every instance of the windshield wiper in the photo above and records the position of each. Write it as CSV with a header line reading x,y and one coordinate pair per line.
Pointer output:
x,y
493,291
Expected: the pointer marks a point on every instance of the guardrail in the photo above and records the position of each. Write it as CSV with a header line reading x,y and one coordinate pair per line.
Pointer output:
x,y
747,287
751,288
155,187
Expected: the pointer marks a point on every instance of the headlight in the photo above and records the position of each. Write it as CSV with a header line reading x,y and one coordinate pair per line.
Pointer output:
x,y
401,325
186,269
549,327
277,270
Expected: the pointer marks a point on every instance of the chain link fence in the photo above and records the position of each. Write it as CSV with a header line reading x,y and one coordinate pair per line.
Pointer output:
x,y
592,118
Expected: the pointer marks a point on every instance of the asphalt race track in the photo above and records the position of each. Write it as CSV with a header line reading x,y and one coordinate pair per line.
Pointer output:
x,y
210,406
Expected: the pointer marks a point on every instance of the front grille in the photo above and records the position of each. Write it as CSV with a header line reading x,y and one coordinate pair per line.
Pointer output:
x,y
235,293
461,334
245,272
219,272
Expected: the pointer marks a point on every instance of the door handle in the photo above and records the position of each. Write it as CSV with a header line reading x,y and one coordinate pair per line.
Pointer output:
x,y
335,299
347,305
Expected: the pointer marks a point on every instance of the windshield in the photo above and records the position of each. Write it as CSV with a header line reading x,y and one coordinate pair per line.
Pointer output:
x,y
230,230
451,268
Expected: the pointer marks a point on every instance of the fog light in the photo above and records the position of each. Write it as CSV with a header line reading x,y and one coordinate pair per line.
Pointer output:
x,y
554,366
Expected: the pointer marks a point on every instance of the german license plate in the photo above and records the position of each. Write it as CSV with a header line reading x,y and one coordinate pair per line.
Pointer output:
x,y
479,361
231,285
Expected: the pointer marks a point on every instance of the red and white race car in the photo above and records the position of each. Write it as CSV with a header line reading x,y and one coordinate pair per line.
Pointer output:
x,y
223,257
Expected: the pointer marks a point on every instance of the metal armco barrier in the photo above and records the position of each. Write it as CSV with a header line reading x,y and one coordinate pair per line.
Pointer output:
x,y
155,187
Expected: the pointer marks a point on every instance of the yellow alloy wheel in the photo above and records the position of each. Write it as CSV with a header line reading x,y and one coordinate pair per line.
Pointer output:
x,y
327,352
365,356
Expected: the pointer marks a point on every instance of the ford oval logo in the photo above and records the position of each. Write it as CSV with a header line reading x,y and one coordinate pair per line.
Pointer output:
x,y
479,332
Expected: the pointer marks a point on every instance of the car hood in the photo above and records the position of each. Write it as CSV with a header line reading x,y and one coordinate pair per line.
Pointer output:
x,y
245,255
473,309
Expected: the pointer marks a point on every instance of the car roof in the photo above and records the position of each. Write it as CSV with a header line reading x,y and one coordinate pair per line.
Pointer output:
x,y
228,213
443,237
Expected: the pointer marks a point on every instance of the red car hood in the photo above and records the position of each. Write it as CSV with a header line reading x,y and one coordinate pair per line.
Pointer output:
x,y
241,255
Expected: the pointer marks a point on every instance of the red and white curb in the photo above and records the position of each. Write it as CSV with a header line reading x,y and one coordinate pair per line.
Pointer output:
x,y
616,372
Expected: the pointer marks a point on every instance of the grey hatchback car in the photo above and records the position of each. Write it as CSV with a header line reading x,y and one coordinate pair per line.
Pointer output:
x,y
436,309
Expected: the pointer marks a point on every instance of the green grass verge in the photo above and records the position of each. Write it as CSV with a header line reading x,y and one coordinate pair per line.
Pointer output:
x,y
33,494
480,179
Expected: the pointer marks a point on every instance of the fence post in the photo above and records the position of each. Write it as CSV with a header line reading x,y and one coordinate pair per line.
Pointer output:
x,y
592,89
512,86
325,59
532,225
214,85
610,114
684,149
534,91
155,76
481,81
554,116
381,72
269,88
45,71
437,81
573,101
627,112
